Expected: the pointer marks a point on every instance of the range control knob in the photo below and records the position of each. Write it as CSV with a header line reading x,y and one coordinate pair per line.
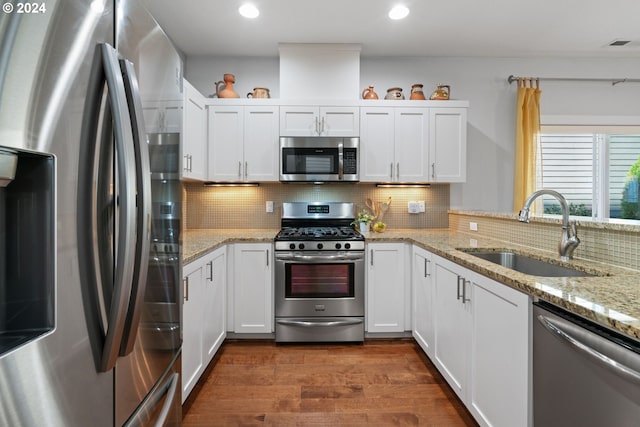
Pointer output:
x,y
301,246
338,245
347,245
320,246
292,245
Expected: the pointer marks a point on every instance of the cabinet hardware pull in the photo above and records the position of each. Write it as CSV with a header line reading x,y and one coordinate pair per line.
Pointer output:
x,y
458,294
185,166
371,256
433,170
427,263
246,170
464,291
186,288
210,264
391,174
190,163
267,257
398,171
239,169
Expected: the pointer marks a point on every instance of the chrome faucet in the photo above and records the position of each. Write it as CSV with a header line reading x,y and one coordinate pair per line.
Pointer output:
x,y
569,240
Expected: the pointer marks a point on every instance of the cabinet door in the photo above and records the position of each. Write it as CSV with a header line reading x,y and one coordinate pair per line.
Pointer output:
x,y
448,144
499,377
385,287
226,127
192,363
194,137
339,121
299,121
261,143
163,116
423,316
451,324
411,145
377,161
214,302
252,287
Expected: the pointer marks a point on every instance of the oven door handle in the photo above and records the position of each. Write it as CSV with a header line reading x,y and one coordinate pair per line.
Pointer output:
x,y
319,323
341,257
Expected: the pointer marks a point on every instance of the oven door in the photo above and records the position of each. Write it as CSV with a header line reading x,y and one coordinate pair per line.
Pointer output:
x,y
319,284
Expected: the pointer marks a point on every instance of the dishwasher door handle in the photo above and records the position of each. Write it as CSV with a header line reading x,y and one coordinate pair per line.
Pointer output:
x,y
319,323
604,360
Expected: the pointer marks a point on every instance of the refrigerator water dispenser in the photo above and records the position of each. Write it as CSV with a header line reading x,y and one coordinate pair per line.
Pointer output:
x,y
27,248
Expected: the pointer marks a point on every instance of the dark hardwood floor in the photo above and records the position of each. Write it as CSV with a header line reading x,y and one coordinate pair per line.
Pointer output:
x,y
378,383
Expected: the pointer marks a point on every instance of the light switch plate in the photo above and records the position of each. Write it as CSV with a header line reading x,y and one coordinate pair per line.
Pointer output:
x,y
269,206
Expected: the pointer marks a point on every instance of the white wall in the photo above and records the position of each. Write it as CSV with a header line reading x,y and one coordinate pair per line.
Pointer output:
x,y
481,81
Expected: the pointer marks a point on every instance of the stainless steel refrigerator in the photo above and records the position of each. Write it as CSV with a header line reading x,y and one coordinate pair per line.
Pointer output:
x,y
90,216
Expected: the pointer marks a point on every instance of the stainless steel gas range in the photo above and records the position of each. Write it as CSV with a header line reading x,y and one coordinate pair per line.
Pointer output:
x,y
319,274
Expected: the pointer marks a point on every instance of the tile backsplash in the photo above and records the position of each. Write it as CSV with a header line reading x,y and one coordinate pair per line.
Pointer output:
x,y
608,243
244,207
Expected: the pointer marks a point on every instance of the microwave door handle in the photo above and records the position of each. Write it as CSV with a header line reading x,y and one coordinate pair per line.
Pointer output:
x,y
340,161
143,217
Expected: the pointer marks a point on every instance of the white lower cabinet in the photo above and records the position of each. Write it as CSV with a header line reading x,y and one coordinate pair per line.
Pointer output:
x,y
422,295
203,315
214,328
251,289
482,343
192,360
385,287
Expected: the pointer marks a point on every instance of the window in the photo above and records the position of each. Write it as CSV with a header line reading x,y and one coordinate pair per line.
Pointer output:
x,y
597,169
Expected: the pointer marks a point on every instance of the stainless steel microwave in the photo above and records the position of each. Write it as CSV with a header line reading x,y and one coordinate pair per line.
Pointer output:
x,y
319,159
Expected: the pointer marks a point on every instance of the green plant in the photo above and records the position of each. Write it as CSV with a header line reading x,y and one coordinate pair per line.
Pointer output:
x,y
577,210
364,216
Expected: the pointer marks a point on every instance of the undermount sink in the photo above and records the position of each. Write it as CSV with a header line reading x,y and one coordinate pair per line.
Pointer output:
x,y
525,264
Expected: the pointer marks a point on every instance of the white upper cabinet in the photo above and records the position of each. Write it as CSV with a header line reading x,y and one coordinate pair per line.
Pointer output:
x,y
243,143
413,144
394,144
448,144
194,136
319,120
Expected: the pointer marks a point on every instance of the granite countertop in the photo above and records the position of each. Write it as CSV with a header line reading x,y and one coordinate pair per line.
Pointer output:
x,y
197,242
611,297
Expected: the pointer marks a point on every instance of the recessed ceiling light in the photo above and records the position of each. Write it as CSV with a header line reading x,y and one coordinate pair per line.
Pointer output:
x,y
249,11
399,12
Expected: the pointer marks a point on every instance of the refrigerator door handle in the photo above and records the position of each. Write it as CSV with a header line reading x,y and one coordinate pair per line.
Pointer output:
x,y
143,214
126,207
168,389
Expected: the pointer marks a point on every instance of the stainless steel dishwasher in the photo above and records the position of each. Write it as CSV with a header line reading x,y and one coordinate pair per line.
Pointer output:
x,y
583,374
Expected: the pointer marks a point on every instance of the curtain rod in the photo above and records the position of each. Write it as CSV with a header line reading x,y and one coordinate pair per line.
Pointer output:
x,y
613,82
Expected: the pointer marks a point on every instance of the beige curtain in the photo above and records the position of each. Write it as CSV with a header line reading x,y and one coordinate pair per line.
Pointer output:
x,y
527,141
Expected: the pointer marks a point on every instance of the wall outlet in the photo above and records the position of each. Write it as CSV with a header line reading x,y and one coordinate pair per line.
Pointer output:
x,y
414,207
473,226
269,206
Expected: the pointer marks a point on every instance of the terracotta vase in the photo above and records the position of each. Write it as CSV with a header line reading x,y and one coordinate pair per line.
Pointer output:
x,y
228,91
368,93
417,93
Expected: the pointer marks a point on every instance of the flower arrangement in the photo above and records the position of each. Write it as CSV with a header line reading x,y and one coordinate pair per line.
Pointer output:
x,y
364,216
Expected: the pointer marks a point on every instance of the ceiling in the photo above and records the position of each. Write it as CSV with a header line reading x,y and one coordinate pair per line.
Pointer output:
x,y
494,28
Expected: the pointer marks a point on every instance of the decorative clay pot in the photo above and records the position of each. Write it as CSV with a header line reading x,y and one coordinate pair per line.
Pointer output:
x,y
394,93
441,93
259,92
368,93
228,91
417,93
